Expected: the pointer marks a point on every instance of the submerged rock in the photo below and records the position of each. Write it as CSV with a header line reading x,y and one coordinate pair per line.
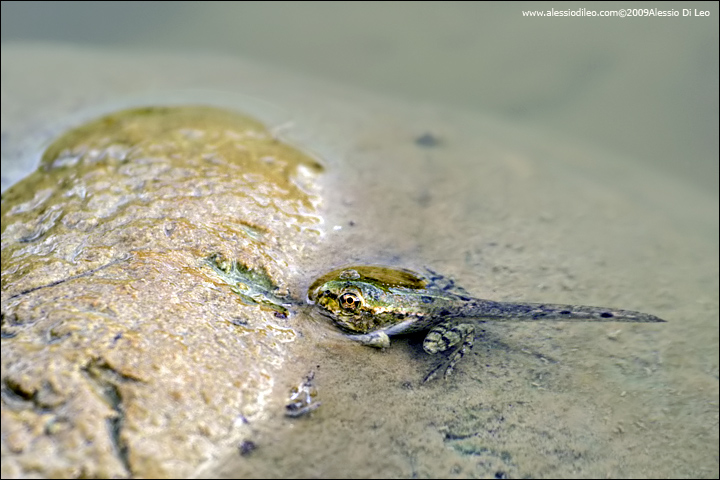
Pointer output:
x,y
125,350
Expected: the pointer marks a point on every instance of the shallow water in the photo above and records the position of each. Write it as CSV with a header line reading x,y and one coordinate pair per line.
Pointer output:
x,y
511,214
646,87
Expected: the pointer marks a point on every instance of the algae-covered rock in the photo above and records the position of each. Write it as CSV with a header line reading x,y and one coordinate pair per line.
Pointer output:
x,y
125,350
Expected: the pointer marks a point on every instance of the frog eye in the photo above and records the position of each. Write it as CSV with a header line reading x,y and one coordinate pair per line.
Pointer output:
x,y
349,301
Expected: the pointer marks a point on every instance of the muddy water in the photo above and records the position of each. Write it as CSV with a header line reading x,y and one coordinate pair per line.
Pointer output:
x,y
509,214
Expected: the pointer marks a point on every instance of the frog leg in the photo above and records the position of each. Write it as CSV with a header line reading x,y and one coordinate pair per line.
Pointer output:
x,y
381,338
378,339
446,284
443,336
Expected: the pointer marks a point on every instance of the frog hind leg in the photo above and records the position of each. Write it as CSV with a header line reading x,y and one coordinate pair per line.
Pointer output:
x,y
444,336
446,284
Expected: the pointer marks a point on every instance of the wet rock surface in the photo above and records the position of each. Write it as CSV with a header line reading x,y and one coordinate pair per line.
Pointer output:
x,y
126,352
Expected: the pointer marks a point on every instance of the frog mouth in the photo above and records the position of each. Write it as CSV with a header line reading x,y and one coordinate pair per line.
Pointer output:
x,y
346,323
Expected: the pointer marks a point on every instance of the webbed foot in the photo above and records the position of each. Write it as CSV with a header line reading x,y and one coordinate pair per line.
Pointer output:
x,y
446,284
444,336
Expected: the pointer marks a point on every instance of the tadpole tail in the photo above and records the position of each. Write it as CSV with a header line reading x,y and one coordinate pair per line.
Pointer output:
x,y
511,311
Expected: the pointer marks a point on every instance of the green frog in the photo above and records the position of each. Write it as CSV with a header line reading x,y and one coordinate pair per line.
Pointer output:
x,y
372,303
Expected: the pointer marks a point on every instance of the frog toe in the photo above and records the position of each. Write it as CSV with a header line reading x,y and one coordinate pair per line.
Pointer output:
x,y
377,339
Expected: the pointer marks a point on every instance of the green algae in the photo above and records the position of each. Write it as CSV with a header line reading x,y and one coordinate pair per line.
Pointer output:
x,y
254,287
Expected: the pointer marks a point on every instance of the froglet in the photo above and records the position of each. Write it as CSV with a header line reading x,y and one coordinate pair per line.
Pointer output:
x,y
371,303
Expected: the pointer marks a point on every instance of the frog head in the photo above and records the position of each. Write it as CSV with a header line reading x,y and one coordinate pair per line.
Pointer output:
x,y
364,299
